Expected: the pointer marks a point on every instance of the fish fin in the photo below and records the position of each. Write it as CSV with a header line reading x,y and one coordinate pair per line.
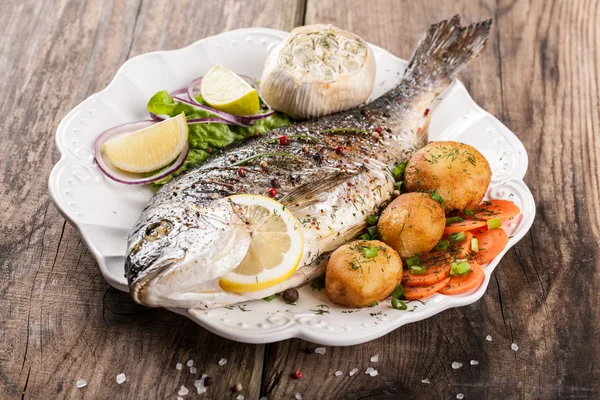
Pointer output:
x,y
310,193
423,131
446,48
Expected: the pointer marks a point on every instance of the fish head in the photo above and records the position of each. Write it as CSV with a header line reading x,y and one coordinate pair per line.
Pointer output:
x,y
180,248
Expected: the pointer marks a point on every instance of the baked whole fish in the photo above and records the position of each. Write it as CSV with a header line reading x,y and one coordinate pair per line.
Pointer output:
x,y
190,234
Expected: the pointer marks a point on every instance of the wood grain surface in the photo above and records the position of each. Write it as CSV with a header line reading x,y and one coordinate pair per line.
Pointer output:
x,y
60,321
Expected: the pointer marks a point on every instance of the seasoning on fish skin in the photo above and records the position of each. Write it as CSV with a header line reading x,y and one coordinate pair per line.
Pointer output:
x,y
205,236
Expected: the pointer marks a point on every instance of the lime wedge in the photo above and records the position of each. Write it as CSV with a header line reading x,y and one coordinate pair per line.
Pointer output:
x,y
224,90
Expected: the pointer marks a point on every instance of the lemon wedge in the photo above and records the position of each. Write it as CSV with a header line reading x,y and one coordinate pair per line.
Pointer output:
x,y
150,148
275,249
222,89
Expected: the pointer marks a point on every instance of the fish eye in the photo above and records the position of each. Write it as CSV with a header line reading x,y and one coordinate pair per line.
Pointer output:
x,y
158,230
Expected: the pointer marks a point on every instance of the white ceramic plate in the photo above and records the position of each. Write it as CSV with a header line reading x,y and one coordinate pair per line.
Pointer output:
x,y
104,211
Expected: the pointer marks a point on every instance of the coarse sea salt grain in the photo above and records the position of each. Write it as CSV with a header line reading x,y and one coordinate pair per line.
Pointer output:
x,y
320,350
354,370
375,358
179,398
190,363
371,371
200,384
183,391
240,397
193,370
425,381
474,362
81,383
456,365
514,347
488,338
298,396
338,373
460,396
121,378
178,366
222,361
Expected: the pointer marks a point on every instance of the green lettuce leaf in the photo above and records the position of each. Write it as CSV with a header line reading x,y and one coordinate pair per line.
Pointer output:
x,y
205,139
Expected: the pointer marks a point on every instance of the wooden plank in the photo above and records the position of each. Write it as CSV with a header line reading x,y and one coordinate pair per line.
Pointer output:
x,y
59,320
539,75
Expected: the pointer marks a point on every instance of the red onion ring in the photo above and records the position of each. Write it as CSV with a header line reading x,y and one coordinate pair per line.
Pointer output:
x,y
178,92
192,92
206,121
125,177
231,119
191,89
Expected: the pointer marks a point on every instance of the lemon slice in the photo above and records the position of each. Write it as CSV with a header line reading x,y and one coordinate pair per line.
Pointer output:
x,y
275,249
224,90
150,148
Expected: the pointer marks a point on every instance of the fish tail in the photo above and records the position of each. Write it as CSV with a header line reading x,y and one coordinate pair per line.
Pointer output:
x,y
442,52
445,49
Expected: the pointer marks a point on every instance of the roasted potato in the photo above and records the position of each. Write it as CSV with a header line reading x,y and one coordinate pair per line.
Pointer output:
x,y
412,223
458,172
362,272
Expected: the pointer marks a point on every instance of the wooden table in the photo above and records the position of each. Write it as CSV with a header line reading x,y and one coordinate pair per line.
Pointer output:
x,y
60,321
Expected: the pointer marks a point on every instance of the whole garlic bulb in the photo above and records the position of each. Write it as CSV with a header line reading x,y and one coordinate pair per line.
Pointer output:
x,y
318,70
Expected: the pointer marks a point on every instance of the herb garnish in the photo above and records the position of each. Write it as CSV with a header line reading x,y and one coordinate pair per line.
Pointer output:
x,y
270,298
275,140
369,252
414,260
461,269
457,237
436,197
273,153
372,220
453,220
442,245
396,295
318,283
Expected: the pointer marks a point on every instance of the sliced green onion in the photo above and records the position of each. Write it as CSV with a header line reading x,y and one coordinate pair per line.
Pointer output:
x,y
418,270
414,260
369,252
270,298
399,186
373,232
461,269
273,153
344,130
457,237
494,223
365,236
453,220
275,140
396,302
469,212
399,170
475,245
442,245
372,220
436,197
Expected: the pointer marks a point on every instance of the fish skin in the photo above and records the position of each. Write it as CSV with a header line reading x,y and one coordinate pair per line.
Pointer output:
x,y
329,193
